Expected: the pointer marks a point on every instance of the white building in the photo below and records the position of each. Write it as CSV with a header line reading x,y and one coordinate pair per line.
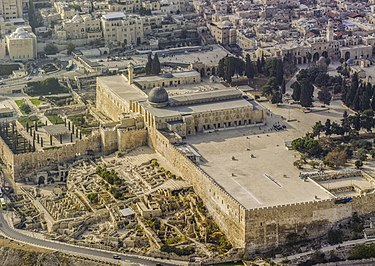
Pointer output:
x,y
21,45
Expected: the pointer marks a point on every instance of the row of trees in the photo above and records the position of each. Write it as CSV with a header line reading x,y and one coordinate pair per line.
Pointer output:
x,y
153,65
336,152
358,95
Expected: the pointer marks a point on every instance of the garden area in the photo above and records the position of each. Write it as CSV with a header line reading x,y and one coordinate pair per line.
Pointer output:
x,y
336,144
23,106
84,122
45,87
49,68
55,119
7,69
36,101
30,121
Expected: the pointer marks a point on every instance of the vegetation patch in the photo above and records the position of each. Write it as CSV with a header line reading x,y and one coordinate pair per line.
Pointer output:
x,y
23,106
55,119
45,87
36,101
7,69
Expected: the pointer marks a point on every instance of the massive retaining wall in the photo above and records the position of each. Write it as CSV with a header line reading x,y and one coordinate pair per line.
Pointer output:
x,y
25,163
7,156
228,213
266,227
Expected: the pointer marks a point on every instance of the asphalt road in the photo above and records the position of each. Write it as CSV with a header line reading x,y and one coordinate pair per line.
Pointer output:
x,y
70,249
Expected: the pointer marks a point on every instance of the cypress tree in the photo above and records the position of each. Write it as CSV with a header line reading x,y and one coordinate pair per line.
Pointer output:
x,y
306,93
249,68
279,71
259,66
283,86
296,91
155,68
148,64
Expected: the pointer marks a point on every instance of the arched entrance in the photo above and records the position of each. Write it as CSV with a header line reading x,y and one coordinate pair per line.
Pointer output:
x,y
202,72
41,180
316,56
347,55
325,54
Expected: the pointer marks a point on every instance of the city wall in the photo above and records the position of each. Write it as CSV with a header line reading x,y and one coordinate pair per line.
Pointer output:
x,y
228,213
25,163
105,102
7,156
269,226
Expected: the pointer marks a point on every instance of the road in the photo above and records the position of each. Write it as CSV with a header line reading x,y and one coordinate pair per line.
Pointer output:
x,y
14,234
326,249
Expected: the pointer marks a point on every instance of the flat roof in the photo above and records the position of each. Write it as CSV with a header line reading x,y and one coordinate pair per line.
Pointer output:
x,y
267,178
110,16
195,108
191,73
119,85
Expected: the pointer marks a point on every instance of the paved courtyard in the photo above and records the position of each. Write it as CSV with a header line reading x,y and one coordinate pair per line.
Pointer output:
x,y
259,177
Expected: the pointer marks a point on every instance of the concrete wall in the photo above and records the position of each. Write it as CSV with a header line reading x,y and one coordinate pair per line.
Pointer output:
x,y
228,213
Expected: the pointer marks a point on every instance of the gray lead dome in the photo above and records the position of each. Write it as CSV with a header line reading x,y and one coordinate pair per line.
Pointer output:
x,y
158,95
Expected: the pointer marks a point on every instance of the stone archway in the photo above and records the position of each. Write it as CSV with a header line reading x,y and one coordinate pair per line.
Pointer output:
x,y
202,72
325,54
316,56
41,180
347,55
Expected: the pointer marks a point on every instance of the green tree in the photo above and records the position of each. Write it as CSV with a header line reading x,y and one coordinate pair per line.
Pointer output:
x,y
155,67
249,67
220,68
358,164
283,87
259,66
296,91
279,71
325,96
307,90
277,97
148,66
70,48
51,49
335,237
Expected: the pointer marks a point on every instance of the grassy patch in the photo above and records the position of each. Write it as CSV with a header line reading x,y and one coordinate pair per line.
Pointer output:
x,y
45,87
36,101
24,107
30,121
7,69
55,119
83,122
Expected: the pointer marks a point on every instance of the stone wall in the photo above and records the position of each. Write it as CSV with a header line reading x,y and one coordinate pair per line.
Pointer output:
x,y
267,227
131,139
105,102
26,163
7,156
228,213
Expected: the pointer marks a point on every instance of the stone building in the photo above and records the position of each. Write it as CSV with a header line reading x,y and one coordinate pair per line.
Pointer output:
x,y
10,9
80,27
187,113
122,30
21,45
